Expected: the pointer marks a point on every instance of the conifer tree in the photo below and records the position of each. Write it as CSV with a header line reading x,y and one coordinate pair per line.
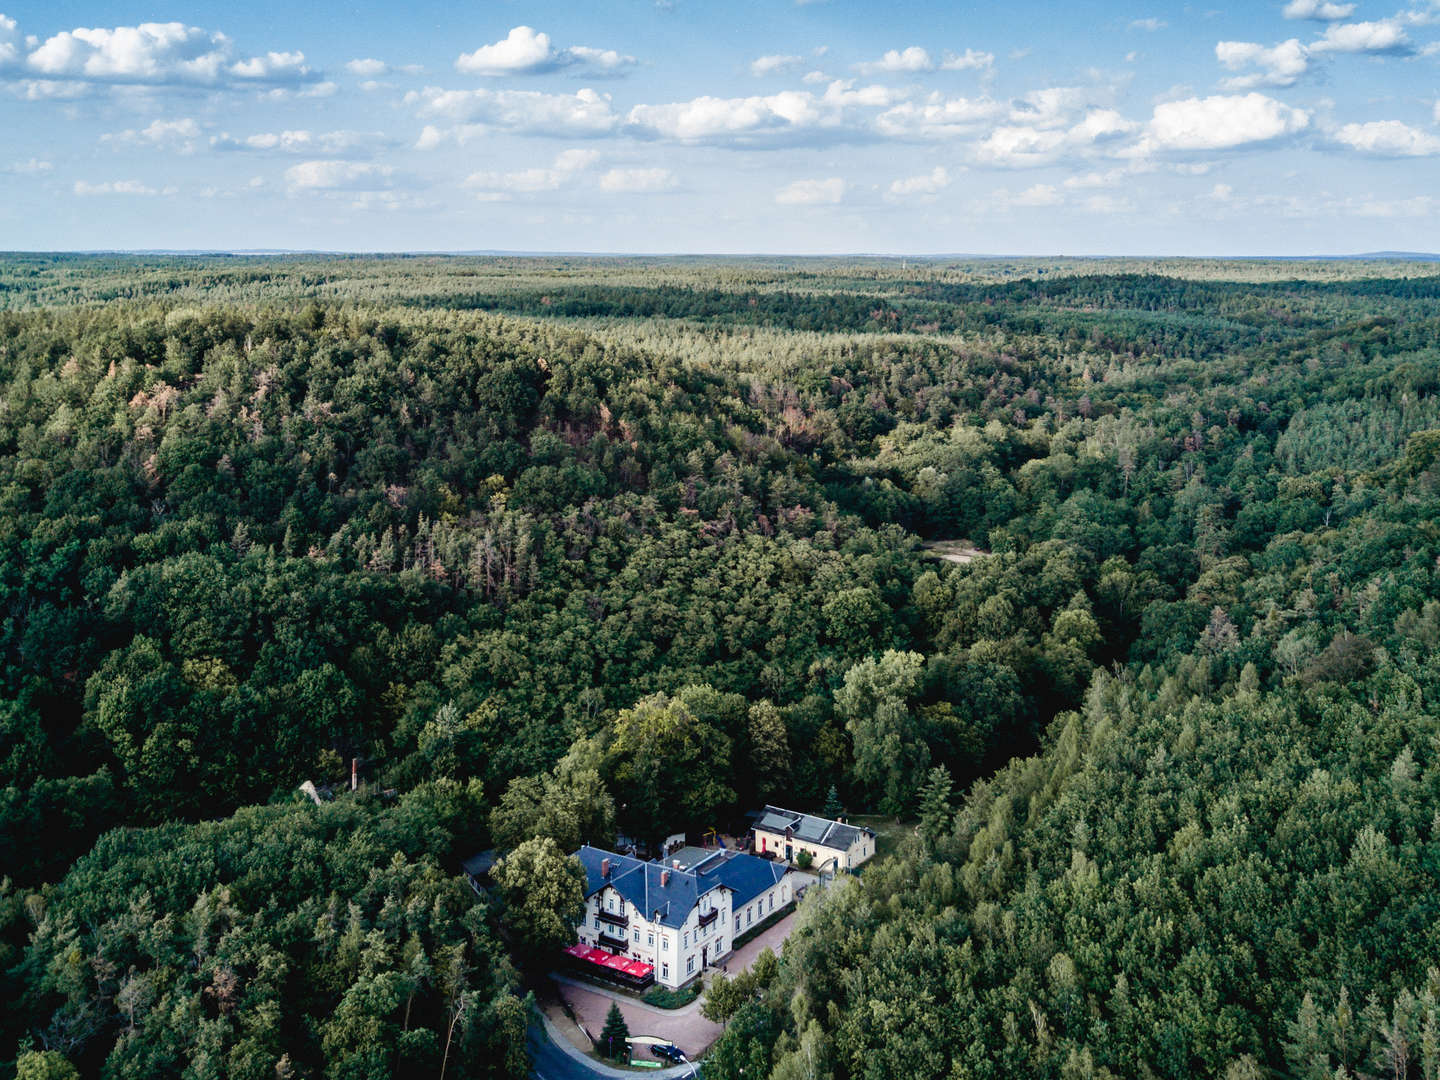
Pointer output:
x,y
615,1035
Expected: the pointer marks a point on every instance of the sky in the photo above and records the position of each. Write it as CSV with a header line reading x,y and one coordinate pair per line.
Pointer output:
x,y
749,126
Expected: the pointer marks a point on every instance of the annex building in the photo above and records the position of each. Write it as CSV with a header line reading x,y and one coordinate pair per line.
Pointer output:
x,y
679,914
833,845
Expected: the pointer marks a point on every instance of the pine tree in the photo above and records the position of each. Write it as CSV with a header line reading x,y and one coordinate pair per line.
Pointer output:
x,y
833,809
615,1035
935,811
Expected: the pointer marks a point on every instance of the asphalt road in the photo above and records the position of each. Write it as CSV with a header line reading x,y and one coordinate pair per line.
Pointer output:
x,y
553,1058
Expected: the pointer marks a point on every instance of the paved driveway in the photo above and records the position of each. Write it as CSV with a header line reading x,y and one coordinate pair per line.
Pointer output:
x,y
552,1058
686,1028
773,938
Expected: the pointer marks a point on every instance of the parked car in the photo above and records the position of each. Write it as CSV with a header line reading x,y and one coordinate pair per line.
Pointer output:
x,y
668,1051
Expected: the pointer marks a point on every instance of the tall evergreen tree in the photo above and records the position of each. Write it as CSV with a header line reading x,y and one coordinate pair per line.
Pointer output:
x,y
615,1034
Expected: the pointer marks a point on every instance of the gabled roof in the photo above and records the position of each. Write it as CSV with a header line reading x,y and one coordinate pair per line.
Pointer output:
x,y
745,875
640,882
810,828
668,903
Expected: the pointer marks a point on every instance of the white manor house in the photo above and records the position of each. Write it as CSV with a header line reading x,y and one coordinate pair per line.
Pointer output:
x,y
679,914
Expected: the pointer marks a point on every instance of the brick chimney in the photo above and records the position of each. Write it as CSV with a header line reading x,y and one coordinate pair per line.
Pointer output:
x,y
604,868
664,879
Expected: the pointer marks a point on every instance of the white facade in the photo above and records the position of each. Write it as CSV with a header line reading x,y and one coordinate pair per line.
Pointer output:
x,y
679,948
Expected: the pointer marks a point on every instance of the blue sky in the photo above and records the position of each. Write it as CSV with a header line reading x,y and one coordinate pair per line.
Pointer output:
x,y
828,126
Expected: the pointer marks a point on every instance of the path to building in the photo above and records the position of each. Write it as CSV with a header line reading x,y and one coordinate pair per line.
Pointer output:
x,y
773,938
685,1027
553,1058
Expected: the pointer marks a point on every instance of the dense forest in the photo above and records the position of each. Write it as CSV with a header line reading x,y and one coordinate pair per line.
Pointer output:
x,y
510,534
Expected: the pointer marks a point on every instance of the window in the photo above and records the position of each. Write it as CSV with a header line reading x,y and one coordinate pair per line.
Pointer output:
x,y
719,947
664,943
690,966
685,940
664,971
737,924
637,935
650,940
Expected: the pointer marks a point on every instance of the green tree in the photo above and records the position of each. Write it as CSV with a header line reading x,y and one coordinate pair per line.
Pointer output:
x,y
543,892
615,1034
723,996
669,765
44,1065
890,751
936,813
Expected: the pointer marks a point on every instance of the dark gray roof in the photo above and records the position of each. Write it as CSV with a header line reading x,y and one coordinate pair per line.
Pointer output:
x,y
640,882
668,903
810,828
745,875
479,864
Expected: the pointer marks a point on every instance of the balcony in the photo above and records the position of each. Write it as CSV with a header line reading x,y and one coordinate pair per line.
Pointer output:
x,y
621,921
708,917
610,940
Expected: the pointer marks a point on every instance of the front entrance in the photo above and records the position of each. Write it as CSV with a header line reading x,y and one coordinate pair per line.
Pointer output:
x,y
789,853
705,957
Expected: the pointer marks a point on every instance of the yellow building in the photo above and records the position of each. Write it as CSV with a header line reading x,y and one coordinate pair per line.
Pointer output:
x,y
834,846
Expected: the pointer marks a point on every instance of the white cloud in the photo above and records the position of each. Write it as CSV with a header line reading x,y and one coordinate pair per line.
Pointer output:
x,y
939,117
157,54
1222,122
474,112
1015,146
178,135
31,167
826,192
636,180
567,166
898,61
9,41
1279,66
969,60
1383,36
304,142
338,176
1039,195
367,68
1320,10
1388,138
792,115
1056,106
527,51
774,64
1018,146
119,187
926,185
1108,178
1151,24
1003,200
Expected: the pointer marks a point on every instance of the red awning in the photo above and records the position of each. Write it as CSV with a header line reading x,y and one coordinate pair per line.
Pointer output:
x,y
634,968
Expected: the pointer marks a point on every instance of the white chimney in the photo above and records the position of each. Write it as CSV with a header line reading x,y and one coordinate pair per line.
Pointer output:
x,y
354,773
